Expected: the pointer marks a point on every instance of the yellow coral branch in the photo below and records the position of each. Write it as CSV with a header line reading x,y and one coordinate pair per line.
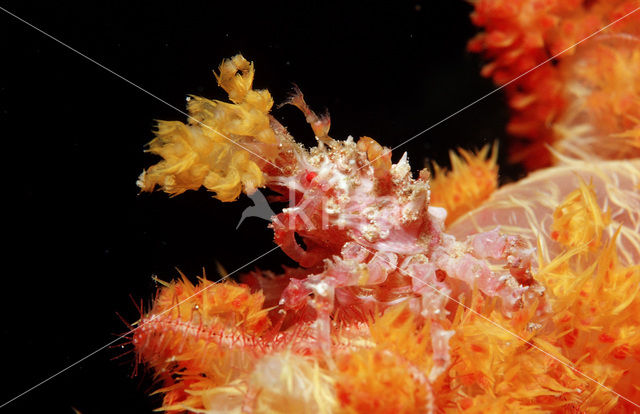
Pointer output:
x,y
216,148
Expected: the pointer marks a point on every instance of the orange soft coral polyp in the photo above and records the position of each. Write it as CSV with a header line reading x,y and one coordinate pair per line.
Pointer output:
x,y
522,35
472,179
578,221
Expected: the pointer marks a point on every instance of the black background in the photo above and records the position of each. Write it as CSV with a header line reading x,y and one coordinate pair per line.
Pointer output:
x,y
79,240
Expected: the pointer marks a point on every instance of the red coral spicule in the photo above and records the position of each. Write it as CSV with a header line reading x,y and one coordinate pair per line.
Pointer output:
x,y
387,312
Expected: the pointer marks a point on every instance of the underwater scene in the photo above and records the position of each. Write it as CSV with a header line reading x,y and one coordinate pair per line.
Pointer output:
x,y
410,207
